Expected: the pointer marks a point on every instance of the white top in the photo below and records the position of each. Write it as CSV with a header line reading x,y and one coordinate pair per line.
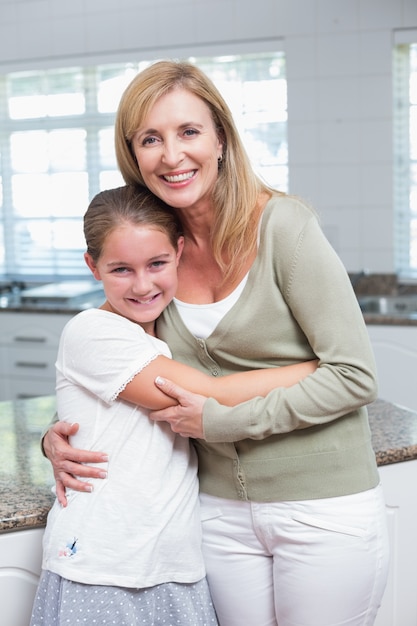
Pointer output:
x,y
202,319
141,526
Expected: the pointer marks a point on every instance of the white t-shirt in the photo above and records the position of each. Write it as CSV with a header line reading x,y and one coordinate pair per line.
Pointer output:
x,y
141,526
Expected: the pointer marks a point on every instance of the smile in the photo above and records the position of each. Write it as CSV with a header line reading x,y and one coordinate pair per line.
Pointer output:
x,y
148,301
179,178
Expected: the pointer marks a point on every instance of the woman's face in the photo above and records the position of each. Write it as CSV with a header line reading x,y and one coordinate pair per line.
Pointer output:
x,y
177,150
138,268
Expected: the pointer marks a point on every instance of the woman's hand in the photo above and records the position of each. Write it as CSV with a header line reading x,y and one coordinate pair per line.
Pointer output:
x,y
186,418
68,462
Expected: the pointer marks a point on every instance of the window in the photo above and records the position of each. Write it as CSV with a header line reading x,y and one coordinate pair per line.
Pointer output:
x,y
405,158
56,150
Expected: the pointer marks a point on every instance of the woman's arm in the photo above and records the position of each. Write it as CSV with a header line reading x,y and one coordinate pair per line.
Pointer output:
x,y
69,462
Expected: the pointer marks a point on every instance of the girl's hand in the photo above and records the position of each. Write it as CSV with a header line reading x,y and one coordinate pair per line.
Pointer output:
x,y
69,462
186,417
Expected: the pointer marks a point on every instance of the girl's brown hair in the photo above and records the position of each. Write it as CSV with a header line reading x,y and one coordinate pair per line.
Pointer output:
x,y
127,205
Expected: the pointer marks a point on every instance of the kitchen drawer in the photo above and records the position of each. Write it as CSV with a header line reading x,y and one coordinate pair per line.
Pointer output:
x,y
29,362
28,387
31,329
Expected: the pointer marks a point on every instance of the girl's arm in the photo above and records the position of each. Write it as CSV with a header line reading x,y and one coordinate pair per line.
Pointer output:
x,y
69,463
228,390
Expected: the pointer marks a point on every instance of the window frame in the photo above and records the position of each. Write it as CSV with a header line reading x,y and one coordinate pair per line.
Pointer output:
x,y
404,187
90,120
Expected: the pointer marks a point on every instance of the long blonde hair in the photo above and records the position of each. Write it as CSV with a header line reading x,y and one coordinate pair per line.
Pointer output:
x,y
237,190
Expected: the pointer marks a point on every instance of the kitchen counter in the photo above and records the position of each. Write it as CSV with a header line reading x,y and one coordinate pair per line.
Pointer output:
x,y
390,320
26,476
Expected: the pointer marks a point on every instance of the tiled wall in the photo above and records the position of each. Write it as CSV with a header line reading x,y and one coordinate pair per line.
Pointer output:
x,y
339,85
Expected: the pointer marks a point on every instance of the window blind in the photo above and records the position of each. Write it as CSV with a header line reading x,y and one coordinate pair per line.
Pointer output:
x,y
57,149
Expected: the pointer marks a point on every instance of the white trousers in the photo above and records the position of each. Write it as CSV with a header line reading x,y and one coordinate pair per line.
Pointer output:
x,y
310,563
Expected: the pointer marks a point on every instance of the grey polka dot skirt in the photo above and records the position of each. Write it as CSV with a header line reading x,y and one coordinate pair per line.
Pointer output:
x,y
60,602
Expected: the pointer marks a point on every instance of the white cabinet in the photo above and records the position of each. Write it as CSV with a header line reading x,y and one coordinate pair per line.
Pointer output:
x,y
20,566
395,349
28,349
399,604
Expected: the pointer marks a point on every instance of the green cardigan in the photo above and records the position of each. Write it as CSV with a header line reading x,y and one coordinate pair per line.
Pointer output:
x,y
313,439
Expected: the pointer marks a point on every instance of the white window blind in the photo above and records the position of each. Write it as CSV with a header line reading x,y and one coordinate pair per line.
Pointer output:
x,y
57,152
405,153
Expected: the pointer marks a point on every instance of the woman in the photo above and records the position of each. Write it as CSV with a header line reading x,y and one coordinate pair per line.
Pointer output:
x,y
294,525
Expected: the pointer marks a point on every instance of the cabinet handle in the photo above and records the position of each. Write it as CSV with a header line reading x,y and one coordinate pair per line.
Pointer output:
x,y
31,364
32,339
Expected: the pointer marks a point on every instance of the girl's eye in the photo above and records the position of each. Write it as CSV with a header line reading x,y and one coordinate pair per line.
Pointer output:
x,y
158,264
120,270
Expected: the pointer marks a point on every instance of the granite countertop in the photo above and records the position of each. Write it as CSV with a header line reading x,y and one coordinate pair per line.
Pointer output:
x,y
26,477
373,319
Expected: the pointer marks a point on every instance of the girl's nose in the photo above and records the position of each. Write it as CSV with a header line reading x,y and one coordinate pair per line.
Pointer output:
x,y
142,284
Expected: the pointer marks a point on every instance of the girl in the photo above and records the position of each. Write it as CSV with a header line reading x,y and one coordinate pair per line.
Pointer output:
x,y
130,550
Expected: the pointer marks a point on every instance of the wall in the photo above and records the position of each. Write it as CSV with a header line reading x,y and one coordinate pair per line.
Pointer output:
x,y
339,85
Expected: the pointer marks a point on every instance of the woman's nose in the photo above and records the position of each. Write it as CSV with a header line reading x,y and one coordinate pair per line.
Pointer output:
x,y
172,152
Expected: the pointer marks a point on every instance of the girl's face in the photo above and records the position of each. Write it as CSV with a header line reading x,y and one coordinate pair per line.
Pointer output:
x,y
138,268
177,150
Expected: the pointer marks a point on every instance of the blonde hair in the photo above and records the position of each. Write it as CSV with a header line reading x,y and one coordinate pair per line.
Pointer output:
x,y
236,193
127,205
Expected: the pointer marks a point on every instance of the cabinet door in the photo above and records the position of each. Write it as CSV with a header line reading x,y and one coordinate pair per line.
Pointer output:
x,y
399,604
395,349
32,329
20,566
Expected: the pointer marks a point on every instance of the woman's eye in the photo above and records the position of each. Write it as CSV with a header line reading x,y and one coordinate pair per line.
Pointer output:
x,y
149,141
191,131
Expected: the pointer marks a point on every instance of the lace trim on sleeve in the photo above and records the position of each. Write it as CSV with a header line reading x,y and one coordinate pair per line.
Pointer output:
x,y
140,367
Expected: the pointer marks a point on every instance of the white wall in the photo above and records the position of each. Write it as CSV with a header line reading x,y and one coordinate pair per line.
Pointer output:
x,y
339,85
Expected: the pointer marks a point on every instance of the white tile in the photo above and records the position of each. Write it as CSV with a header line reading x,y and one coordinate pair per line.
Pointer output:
x,y
8,13
36,11
9,43
375,52
376,14
338,98
304,182
339,143
102,32
34,40
209,21
69,37
133,29
375,184
338,54
377,226
376,141
295,17
251,19
375,98
339,185
337,15
409,13
301,57
303,142
303,100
